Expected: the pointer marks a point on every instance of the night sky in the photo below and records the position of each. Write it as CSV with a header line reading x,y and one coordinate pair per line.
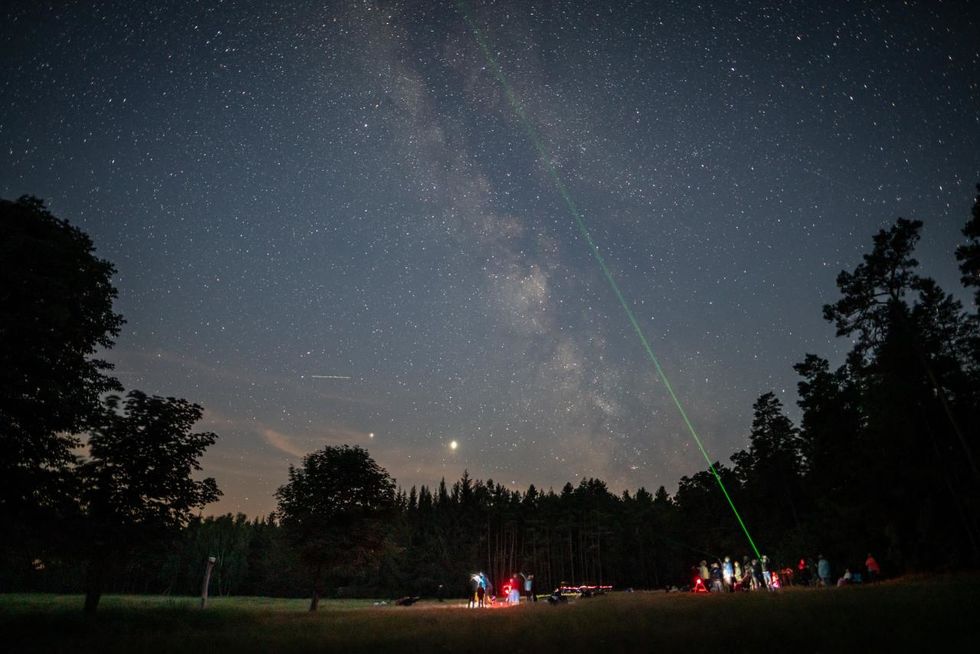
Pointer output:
x,y
330,225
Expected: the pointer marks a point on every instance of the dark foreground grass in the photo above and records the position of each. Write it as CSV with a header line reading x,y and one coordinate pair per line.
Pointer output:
x,y
921,615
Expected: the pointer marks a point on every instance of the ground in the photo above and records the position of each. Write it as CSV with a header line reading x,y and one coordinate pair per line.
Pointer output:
x,y
912,614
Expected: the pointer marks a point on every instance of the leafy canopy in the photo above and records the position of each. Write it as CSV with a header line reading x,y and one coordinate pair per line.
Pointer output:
x,y
143,454
56,298
334,504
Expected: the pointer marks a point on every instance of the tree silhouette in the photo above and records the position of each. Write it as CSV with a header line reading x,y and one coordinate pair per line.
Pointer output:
x,y
836,461
876,290
137,485
56,298
770,472
706,523
335,507
968,254
917,474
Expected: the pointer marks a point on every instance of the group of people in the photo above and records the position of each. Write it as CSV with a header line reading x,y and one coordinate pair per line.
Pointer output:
x,y
759,574
482,591
730,576
808,573
511,592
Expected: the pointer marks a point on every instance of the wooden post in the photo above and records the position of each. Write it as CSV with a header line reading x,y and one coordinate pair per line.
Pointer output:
x,y
207,582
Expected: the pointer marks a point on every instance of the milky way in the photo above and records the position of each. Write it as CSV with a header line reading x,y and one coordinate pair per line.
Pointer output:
x,y
331,226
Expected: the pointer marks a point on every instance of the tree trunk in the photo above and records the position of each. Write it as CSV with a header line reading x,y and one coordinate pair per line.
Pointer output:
x,y
491,549
598,553
315,600
93,586
571,558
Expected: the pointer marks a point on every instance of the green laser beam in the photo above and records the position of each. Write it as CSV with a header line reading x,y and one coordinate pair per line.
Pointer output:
x,y
594,249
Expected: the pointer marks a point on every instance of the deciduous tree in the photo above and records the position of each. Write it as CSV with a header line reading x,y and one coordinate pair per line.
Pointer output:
x,y
55,314
137,483
334,508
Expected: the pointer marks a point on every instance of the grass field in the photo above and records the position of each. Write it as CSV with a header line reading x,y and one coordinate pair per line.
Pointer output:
x,y
921,615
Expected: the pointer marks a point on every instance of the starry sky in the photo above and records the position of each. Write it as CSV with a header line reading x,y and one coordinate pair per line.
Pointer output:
x,y
331,226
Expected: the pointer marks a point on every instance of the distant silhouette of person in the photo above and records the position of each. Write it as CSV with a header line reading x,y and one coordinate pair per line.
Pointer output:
x,y
874,570
803,573
529,587
823,570
481,593
757,580
766,572
716,578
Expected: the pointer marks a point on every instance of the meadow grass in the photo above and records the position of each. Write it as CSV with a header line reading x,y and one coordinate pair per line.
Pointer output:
x,y
921,614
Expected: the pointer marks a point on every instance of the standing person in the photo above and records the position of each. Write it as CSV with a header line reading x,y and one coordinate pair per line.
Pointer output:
x,y
487,586
529,587
823,570
716,578
757,580
727,573
481,593
803,573
874,570
514,596
705,573
738,574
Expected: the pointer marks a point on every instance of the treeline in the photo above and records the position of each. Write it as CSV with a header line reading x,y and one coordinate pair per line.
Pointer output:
x,y
884,460
437,538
